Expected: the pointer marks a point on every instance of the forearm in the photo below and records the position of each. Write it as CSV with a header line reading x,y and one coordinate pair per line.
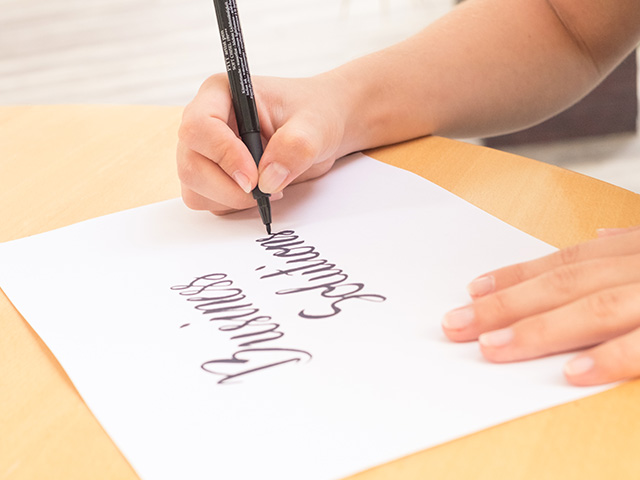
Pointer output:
x,y
488,67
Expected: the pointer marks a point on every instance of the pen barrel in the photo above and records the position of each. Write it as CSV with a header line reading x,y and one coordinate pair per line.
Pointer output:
x,y
237,66
253,141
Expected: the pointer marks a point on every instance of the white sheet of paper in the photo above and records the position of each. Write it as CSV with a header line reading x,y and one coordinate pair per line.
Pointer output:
x,y
187,391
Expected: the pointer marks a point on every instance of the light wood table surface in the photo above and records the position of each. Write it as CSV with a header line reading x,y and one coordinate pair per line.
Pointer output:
x,y
64,164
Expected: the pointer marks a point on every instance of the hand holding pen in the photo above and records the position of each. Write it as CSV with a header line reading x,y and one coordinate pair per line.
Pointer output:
x,y
300,120
242,96
446,81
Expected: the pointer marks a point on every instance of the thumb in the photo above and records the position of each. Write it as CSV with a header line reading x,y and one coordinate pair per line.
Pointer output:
x,y
292,150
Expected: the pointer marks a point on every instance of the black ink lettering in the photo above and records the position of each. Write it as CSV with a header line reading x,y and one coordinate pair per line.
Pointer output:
x,y
305,261
215,296
214,278
236,366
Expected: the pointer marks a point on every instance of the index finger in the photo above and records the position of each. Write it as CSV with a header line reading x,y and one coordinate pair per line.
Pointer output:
x,y
208,127
622,244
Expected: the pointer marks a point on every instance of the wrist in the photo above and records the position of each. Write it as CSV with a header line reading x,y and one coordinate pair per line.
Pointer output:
x,y
358,106
378,105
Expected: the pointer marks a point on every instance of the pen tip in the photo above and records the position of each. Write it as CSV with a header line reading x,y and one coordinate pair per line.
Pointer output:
x,y
269,228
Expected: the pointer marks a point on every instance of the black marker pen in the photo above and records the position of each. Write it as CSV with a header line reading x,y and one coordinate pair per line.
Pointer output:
x,y
244,103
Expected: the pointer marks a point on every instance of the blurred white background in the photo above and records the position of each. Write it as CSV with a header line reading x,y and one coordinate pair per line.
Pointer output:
x,y
160,51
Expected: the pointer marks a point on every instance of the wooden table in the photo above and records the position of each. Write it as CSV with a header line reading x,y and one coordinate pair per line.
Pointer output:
x,y
64,164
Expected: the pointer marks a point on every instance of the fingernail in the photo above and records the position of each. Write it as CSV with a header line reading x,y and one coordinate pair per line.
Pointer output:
x,y
276,196
242,180
497,338
603,232
481,286
459,318
273,177
578,365
606,232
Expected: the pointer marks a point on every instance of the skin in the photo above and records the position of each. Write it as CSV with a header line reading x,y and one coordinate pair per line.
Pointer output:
x,y
488,67
583,296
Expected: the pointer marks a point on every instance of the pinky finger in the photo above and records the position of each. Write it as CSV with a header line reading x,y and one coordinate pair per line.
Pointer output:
x,y
612,361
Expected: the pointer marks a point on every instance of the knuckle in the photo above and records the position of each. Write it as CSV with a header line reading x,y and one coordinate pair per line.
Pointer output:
x,y
191,200
493,307
215,81
189,130
605,305
563,279
569,255
186,170
520,272
226,155
300,144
